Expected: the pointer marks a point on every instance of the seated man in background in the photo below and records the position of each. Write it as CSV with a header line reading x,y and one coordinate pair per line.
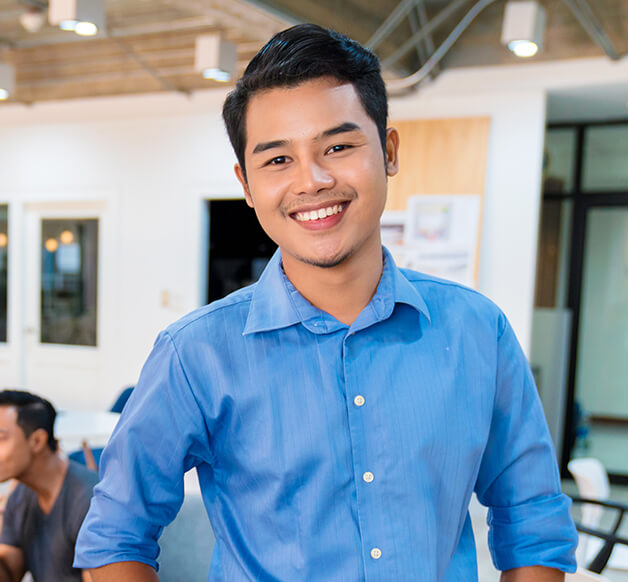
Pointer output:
x,y
46,509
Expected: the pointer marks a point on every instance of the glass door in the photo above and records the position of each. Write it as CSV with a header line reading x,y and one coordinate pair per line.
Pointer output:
x,y
601,389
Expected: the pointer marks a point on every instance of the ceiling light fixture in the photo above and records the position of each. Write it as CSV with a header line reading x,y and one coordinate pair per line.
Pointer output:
x,y
524,27
216,58
33,19
85,17
7,81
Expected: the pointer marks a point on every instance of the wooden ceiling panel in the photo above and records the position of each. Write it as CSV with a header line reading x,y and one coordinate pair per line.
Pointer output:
x,y
149,44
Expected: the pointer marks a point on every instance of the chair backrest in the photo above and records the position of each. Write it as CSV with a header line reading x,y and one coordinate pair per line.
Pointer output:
x,y
118,405
585,576
591,478
592,482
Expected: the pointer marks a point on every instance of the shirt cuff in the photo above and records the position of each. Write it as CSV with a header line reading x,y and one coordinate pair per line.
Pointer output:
x,y
101,542
537,533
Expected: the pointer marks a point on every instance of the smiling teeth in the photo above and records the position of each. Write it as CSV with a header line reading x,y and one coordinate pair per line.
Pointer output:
x,y
318,214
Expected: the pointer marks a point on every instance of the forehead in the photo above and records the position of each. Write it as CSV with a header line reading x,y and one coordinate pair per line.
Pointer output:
x,y
8,417
287,113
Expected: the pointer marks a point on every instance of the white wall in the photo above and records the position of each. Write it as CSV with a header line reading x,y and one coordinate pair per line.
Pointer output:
x,y
151,160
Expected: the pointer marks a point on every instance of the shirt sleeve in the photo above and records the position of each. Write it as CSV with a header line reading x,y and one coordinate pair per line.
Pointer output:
x,y
529,519
160,435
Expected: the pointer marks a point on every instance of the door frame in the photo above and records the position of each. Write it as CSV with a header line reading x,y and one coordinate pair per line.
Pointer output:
x,y
583,202
78,357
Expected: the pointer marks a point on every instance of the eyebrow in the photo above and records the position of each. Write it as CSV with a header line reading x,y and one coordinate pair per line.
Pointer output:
x,y
346,127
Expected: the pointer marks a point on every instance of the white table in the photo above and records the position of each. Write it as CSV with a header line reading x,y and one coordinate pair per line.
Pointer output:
x,y
72,426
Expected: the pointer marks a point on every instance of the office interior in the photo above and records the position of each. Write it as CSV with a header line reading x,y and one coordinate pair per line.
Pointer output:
x,y
120,212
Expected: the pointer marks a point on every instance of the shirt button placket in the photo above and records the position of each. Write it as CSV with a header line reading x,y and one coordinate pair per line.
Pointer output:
x,y
359,400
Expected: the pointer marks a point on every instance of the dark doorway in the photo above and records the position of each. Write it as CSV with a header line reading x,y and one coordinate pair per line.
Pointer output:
x,y
238,247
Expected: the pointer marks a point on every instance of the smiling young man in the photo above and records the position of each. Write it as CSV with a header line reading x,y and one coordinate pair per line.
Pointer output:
x,y
340,412
45,511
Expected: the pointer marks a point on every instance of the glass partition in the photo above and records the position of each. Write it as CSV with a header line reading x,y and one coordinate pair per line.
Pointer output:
x,y
605,159
69,279
559,160
602,364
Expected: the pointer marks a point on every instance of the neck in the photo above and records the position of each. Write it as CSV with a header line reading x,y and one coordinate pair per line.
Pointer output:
x,y
45,477
342,291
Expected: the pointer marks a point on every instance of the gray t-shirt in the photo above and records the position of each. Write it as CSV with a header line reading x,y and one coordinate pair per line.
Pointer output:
x,y
47,541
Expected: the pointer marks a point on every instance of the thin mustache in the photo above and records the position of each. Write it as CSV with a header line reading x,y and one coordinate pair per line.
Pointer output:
x,y
304,202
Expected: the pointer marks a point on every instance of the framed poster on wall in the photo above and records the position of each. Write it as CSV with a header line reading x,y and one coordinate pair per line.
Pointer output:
x,y
438,235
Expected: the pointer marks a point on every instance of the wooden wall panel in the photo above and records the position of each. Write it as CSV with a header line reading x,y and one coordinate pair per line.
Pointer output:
x,y
439,156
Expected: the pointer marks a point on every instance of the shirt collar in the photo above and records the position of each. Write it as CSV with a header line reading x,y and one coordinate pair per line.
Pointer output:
x,y
276,303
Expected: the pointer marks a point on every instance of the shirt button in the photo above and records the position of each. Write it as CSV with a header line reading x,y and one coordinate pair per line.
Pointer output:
x,y
376,553
368,477
359,400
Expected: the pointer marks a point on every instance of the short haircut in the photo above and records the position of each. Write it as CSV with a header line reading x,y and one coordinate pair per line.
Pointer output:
x,y
33,412
303,53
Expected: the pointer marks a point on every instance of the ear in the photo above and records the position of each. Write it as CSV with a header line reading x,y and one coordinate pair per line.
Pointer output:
x,y
38,440
392,151
239,172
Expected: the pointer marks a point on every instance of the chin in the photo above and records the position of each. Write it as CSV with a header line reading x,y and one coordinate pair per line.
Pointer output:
x,y
328,262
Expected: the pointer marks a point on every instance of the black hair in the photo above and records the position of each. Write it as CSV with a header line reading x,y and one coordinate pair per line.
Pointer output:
x,y
33,412
303,53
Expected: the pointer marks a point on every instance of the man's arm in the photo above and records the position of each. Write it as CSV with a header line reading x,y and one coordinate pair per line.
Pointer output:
x,y
533,574
124,572
519,480
12,567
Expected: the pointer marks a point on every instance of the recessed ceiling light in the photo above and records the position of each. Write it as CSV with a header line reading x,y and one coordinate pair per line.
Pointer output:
x,y
215,58
523,48
523,27
86,29
68,24
85,17
217,75
7,80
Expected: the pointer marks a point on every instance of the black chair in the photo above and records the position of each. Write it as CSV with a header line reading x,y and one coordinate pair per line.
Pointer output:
x,y
609,537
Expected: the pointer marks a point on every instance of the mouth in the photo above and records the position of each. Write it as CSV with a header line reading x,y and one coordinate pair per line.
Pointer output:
x,y
319,213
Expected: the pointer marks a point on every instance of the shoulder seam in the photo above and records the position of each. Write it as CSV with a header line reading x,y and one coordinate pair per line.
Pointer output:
x,y
175,332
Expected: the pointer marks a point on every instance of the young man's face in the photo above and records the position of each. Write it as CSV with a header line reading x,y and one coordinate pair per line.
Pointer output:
x,y
316,174
15,450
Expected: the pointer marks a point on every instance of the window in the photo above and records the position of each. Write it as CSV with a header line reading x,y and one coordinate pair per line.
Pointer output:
x,y
605,154
69,277
559,160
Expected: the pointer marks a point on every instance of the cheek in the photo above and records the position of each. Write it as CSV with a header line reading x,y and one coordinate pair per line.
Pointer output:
x,y
266,194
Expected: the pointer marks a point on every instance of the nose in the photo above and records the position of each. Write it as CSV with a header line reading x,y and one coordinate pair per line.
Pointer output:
x,y
313,177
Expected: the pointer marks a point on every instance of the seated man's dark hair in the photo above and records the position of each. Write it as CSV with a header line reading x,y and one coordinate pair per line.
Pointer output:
x,y
33,412
303,53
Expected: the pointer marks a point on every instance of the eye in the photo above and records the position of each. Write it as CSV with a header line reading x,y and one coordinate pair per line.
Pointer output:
x,y
276,161
338,148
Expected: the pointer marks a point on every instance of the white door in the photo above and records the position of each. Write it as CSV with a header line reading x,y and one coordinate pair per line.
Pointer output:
x,y
62,356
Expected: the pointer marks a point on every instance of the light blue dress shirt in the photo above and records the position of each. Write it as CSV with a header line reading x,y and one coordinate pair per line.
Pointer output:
x,y
328,452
